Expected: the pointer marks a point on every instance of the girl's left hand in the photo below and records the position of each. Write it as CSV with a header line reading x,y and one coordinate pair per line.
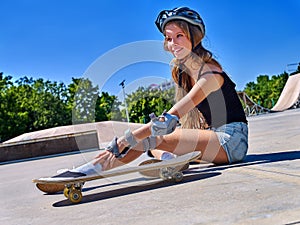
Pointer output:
x,y
107,160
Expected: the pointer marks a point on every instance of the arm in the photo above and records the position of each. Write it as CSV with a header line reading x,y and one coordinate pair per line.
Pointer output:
x,y
202,88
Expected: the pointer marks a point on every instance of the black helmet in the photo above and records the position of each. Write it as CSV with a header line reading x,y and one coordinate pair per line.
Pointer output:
x,y
180,13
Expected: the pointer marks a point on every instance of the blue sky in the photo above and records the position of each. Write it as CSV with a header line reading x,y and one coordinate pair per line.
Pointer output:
x,y
61,39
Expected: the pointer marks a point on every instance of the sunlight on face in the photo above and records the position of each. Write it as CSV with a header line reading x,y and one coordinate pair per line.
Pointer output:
x,y
177,41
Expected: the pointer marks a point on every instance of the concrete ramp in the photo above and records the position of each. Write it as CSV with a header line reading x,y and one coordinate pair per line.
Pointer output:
x,y
63,139
289,95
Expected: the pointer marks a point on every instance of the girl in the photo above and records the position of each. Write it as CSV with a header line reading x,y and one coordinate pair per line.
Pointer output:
x,y
211,115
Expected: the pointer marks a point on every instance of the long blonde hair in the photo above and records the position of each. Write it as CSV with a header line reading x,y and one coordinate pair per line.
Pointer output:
x,y
194,118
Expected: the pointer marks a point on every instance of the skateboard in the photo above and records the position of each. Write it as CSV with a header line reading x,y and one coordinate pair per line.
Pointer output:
x,y
50,188
167,171
155,173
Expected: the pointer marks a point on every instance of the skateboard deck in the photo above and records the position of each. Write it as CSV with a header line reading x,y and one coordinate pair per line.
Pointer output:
x,y
50,188
73,186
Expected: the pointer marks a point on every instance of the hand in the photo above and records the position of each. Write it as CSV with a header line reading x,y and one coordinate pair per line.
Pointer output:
x,y
164,124
107,160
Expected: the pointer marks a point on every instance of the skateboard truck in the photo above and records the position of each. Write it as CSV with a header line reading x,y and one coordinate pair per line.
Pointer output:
x,y
169,173
73,192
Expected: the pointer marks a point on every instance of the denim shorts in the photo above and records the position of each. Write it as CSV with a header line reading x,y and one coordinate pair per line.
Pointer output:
x,y
233,137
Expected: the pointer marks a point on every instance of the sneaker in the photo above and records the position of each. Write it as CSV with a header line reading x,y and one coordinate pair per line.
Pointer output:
x,y
88,169
69,174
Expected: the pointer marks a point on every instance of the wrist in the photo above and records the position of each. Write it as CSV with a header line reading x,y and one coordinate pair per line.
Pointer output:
x,y
129,139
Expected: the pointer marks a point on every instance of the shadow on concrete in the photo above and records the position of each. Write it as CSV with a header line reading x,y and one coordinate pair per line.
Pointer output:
x,y
273,157
117,183
252,159
137,189
86,189
206,172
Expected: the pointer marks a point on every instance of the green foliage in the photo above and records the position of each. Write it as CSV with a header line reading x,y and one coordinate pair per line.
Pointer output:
x,y
107,108
266,91
31,105
297,71
144,101
83,96
28,105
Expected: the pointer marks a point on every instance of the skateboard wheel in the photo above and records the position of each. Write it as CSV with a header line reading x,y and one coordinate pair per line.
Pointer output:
x,y
178,177
66,192
75,196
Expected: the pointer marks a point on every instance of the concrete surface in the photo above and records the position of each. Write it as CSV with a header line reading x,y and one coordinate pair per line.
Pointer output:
x,y
265,189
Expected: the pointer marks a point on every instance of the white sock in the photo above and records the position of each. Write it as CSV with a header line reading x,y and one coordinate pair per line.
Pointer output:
x,y
167,156
88,168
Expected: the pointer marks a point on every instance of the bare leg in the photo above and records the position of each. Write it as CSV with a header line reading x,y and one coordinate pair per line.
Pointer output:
x,y
108,161
130,156
182,141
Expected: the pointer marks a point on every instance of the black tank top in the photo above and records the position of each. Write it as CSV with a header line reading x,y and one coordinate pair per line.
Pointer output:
x,y
222,106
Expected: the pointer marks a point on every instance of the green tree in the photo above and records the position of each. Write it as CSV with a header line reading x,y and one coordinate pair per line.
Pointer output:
x,y
266,91
82,100
29,105
107,108
32,105
298,70
5,107
144,101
